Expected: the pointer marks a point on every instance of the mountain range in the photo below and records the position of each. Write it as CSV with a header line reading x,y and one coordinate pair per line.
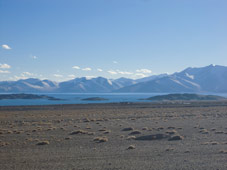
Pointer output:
x,y
211,79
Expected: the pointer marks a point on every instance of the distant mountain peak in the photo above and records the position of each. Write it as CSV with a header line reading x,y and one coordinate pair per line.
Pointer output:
x,y
211,78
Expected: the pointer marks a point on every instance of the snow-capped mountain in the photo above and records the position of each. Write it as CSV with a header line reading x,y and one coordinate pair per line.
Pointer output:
x,y
123,82
205,79
212,78
149,78
28,85
85,85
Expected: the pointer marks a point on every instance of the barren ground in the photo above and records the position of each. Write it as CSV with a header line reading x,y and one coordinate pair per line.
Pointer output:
x,y
103,136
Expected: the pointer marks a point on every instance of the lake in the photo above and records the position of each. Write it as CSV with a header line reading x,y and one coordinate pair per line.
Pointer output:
x,y
76,98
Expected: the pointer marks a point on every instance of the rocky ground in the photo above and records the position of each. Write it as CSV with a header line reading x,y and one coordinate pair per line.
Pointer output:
x,y
129,136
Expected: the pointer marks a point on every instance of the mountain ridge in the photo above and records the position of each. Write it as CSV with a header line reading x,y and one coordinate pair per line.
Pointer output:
x,y
203,79
212,78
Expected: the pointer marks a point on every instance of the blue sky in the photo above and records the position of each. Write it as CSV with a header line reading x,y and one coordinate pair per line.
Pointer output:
x,y
64,39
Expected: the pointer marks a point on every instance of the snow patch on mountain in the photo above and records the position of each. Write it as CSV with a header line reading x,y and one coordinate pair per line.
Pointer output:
x,y
110,82
192,83
189,76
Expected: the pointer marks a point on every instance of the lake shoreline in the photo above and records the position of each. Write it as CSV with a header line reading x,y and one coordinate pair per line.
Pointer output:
x,y
154,104
79,99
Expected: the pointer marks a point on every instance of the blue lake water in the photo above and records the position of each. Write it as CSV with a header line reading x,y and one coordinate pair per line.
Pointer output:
x,y
76,98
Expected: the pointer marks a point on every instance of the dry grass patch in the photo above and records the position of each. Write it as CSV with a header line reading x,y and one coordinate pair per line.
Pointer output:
x,y
145,128
62,128
29,139
171,132
205,143
152,137
160,128
210,143
122,136
79,132
3,144
219,132
130,137
50,128
214,143
136,132
100,139
91,133
102,130
223,151
86,120
68,138
169,149
43,143
100,119
18,131
204,131
128,129
176,137
9,132
107,132
131,147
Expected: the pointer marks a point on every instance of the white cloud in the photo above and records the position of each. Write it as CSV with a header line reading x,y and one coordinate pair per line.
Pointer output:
x,y
58,75
4,72
86,69
99,69
5,66
140,75
34,57
124,72
144,71
115,62
76,67
89,77
71,76
20,77
27,74
6,47
112,72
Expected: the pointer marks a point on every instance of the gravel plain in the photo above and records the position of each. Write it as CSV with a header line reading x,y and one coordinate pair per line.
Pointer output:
x,y
124,136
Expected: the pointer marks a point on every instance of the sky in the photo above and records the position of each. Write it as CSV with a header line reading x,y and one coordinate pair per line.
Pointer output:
x,y
65,39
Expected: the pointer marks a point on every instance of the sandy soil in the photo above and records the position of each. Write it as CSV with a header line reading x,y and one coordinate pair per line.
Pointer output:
x,y
114,136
